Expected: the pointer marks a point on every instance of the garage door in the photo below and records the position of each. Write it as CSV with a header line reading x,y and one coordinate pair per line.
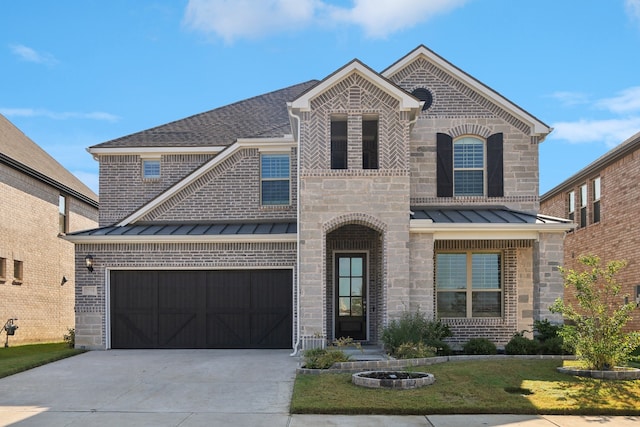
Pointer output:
x,y
201,309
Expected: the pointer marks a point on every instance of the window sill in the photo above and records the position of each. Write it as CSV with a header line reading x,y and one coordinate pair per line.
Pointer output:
x,y
16,282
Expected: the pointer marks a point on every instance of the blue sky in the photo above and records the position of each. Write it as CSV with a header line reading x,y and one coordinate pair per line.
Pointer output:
x,y
76,73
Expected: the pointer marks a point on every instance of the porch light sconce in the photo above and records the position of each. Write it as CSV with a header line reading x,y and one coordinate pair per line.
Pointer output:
x,y
88,260
64,280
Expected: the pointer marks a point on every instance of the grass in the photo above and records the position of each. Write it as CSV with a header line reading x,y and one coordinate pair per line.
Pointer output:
x,y
24,357
473,387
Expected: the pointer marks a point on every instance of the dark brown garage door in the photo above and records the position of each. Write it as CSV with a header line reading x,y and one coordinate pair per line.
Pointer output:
x,y
201,309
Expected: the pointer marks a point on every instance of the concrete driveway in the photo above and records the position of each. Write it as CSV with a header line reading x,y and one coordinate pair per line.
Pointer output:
x,y
153,387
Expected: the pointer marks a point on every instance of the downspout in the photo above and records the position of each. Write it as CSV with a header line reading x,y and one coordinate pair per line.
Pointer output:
x,y
297,343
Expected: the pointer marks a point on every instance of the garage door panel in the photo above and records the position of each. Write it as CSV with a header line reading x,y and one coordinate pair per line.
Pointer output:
x,y
201,309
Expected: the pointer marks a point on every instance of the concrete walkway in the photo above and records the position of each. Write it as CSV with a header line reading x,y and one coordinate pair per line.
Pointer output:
x,y
189,388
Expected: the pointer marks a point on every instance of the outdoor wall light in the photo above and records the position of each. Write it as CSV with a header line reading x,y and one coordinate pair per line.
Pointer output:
x,y
88,260
64,280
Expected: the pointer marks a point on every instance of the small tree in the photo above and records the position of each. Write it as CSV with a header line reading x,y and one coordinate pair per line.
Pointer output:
x,y
594,326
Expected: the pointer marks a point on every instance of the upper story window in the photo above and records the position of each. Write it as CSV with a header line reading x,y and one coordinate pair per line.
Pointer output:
x,y
370,143
339,143
151,169
583,205
470,166
469,284
18,272
596,200
571,199
63,224
275,179
3,268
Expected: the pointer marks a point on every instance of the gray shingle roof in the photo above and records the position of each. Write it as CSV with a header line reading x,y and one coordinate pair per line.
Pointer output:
x,y
497,215
21,152
261,116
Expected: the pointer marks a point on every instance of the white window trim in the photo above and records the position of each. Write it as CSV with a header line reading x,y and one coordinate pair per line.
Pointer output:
x,y
483,169
275,152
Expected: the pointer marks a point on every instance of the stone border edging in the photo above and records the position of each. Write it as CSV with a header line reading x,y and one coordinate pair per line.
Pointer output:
x,y
373,365
616,374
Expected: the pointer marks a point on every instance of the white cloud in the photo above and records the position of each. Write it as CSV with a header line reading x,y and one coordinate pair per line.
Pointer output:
x,y
235,19
633,9
30,55
626,101
31,112
379,18
610,131
570,98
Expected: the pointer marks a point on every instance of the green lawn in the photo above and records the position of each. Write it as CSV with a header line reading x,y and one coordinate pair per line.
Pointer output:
x,y
20,358
508,386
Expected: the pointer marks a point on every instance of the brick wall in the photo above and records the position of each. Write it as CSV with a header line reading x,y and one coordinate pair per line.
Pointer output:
x,y
29,230
616,236
458,110
90,292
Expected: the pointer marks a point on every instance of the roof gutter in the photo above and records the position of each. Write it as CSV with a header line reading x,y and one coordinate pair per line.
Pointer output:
x,y
450,231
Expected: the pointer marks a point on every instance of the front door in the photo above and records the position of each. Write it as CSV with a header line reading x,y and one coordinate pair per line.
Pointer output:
x,y
350,296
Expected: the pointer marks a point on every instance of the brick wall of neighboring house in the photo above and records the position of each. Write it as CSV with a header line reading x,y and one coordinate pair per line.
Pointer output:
x,y
90,296
617,235
29,229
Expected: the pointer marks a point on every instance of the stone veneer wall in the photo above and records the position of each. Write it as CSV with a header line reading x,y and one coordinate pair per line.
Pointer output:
x,y
378,199
516,283
549,284
90,293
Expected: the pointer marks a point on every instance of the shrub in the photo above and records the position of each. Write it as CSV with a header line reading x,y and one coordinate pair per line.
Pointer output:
x,y
519,344
70,337
414,351
595,327
479,346
323,358
414,328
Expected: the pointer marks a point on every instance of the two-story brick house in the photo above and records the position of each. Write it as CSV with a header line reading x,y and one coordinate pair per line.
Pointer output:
x,y
40,201
601,199
323,210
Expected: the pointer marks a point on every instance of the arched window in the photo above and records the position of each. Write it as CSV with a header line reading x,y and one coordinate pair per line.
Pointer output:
x,y
468,167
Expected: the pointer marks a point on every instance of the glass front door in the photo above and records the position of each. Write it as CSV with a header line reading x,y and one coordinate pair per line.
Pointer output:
x,y
350,296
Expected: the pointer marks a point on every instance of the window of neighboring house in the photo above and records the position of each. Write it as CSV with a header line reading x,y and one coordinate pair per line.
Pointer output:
x,y
468,167
17,272
151,169
596,200
63,224
3,268
469,284
572,205
275,179
339,143
370,143
583,205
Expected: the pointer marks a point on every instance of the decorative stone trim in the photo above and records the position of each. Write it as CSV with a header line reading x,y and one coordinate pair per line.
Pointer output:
x,y
416,380
614,374
378,365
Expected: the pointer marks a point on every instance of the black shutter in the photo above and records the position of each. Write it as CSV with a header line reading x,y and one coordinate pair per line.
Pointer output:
x,y
444,170
495,178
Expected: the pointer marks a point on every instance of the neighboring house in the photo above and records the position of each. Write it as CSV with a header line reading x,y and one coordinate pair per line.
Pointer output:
x,y
602,200
39,202
323,210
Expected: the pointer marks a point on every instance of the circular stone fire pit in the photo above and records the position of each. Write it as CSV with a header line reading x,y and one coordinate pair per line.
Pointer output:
x,y
392,379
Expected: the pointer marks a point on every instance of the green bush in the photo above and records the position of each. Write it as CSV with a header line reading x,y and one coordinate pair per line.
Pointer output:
x,y
414,351
479,346
594,326
519,344
414,328
70,337
323,358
